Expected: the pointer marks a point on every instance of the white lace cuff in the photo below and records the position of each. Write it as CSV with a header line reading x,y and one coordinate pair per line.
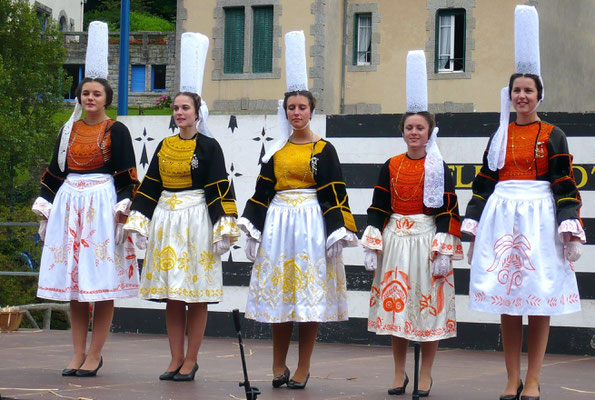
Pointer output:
x,y
349,238
372,238
42,207
123,206
445,243
572,226
226,226
138,222
469,226
249,229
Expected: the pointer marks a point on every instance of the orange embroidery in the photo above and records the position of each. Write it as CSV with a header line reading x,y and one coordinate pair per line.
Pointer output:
x,y
395,291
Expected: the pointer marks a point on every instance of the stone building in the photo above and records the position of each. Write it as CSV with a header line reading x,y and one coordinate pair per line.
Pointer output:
x,y
357,48
68,13
151,71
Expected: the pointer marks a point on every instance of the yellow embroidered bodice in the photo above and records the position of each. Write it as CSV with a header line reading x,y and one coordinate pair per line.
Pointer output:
x,y
292,165
175,156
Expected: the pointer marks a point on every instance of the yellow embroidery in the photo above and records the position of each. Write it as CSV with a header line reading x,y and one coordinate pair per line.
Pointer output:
x,y
174,162
173,201
295,200
165,259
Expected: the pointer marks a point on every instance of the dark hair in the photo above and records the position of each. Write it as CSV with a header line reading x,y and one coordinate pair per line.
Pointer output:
x,y
306,93
195,99
535,78
109,92
429,117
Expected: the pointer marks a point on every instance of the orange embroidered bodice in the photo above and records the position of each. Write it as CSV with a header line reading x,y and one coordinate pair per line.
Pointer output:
x,y
89,147
406,184
526,151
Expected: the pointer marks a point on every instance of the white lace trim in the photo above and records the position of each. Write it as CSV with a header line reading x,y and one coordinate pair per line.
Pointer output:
x,y
574,227
434,173
348,238
42,207
372,238
497,151
469,226
226,226
246,226
123,206
445,243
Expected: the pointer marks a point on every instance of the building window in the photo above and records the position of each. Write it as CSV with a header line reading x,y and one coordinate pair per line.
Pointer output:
x,y
262,39
234,41
137,81
63,27
77,72
158,78
450,41
362,47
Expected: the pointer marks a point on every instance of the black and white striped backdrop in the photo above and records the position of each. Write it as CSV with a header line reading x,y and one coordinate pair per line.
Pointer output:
x,y
364,143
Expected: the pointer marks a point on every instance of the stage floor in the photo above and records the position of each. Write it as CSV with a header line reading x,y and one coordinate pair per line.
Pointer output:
x,y
31,361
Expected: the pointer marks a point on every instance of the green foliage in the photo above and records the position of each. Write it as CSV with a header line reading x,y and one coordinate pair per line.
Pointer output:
x,y
144,15
31,85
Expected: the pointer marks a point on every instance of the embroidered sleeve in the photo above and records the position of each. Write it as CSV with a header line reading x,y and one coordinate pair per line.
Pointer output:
x,y
483,186
331,191
380,210
445,243
123,162
148,193
137,222
257,206
470,226
52,178
42,207
219,194
574,227
226,226
372,238
348,238
249,229
123,206
447,216
566,195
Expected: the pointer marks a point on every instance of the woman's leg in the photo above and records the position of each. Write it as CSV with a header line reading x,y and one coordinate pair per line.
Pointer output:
x,y
307,338
512,341
539,330
175,321
102,321
197,322
399,347
281,338
428,354
79,325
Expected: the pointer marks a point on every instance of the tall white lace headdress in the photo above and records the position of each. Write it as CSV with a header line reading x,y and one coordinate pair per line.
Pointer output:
x,y
193,56
527,61
417,101
296,77
95,67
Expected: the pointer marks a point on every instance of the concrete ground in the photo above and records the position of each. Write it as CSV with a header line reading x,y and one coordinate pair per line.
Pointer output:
x,y
31,361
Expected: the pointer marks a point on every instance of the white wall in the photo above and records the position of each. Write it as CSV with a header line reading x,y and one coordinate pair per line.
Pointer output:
x,y
72,9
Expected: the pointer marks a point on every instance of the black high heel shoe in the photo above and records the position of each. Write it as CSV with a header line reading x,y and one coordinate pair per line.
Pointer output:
x,y
400,389
514,396
532,397
426,393
169,376
69,371
298,385
186,377
85,373
282,379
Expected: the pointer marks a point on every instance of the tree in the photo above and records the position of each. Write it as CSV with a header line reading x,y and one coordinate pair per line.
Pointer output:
x,y
31,84
144,14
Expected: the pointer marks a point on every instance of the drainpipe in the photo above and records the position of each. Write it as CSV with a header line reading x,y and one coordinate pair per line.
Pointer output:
x,y
344,46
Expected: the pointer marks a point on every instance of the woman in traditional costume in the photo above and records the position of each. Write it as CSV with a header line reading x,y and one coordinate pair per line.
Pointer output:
x,y
298,221
524,219
186,208
85,195
413,235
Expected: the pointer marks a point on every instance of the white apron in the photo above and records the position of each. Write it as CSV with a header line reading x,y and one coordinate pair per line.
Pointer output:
x,y
292,280
518,265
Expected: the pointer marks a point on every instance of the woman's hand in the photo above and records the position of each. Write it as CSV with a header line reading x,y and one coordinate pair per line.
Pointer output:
x,y
221,246
335,250
251,248
573,249
370,259
470,251
140,241
441,265
43,224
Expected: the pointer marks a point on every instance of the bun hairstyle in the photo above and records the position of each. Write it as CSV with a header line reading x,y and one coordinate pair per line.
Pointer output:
x,y
535,78
109,92
195,99
429,117
305,93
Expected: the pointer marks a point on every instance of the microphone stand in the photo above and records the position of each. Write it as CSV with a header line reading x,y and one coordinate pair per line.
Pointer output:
x,y
416,351
251,391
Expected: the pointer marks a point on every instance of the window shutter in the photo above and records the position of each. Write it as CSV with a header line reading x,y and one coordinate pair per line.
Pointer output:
x,y
262,40
355,33
137,81
234,41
